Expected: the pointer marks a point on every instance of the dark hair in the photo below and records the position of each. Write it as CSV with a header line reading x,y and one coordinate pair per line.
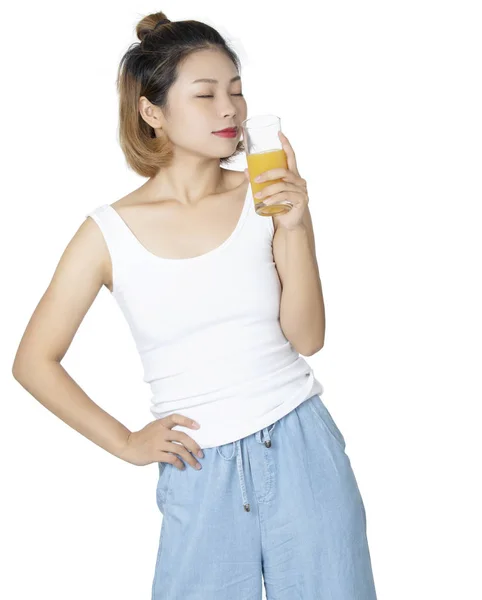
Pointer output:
x,y
149,68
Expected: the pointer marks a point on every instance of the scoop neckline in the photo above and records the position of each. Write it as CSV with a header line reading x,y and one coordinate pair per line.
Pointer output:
x,y
244,212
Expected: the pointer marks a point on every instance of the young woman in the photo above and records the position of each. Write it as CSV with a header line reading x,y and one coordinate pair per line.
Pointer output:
x,y
221,303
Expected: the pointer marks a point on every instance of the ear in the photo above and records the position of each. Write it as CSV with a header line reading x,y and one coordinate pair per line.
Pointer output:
x,y
151,114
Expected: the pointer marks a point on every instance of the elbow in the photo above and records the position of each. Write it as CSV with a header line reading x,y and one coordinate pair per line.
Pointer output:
x,y
307,345
17,371
27,364
310,350
16,367
19,364
314,350
22,365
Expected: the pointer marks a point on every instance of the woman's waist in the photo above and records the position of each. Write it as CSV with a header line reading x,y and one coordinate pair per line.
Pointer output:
x,y
239,408
219,383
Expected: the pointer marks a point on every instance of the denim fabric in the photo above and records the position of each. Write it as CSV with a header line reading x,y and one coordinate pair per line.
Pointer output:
x,y
280,508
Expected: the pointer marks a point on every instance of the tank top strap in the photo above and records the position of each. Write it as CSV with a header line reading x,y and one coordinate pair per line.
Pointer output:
x,y
117,235
258,225
118,238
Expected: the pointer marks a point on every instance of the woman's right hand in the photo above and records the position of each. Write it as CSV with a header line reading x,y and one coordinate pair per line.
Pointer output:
x,y
153,443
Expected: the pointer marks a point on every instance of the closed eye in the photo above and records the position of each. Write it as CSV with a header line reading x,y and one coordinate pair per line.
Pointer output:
x,y
213,96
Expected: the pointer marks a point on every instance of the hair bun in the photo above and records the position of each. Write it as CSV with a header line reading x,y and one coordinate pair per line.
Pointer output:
x,y
149,24
161,22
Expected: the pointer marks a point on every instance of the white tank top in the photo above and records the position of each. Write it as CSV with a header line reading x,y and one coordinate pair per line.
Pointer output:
x,y
207,329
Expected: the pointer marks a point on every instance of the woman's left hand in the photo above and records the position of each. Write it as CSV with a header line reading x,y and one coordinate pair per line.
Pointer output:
x,y
292,187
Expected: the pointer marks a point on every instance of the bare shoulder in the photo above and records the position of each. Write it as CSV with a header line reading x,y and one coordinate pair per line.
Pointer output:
x,y
89,247
91,243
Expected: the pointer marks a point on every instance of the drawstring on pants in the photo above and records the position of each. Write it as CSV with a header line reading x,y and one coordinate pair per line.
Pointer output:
x,y
260,435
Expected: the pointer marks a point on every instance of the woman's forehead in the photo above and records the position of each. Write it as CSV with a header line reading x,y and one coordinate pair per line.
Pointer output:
x,y
208,67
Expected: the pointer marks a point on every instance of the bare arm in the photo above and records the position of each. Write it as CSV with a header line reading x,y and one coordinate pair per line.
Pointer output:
x,y
82,270
302,309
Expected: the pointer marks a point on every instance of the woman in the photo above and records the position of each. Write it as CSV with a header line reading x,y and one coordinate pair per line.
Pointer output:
x,y
221,302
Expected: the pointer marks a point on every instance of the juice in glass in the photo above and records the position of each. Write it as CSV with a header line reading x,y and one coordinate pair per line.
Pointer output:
x,y
259,163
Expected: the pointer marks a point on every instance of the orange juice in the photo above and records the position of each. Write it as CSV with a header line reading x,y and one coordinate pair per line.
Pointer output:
x,y
259,163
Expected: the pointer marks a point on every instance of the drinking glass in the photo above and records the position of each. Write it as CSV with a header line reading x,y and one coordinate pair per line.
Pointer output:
x,y
264,151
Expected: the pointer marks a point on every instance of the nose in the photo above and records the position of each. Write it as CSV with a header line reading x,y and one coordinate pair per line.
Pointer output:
x,y
228,109
229,113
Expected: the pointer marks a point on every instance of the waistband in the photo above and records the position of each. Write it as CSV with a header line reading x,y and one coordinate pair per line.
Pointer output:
x,y
262,437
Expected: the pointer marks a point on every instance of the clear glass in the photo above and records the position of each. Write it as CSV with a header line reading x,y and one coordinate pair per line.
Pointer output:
x,y
264,151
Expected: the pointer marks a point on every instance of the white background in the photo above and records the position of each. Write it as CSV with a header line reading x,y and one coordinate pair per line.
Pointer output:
x,y
382,104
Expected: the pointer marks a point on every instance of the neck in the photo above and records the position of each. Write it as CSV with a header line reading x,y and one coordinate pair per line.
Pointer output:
x,y
188,181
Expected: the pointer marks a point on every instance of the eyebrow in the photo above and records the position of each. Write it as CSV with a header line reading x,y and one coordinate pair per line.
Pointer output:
x,y
207,80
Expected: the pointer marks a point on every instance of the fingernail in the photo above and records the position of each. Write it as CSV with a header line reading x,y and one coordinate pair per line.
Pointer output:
x,y
258,178
196,425
200,454
198,466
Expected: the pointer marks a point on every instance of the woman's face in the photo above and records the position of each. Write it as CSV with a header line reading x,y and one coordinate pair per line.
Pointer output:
x,y
197,108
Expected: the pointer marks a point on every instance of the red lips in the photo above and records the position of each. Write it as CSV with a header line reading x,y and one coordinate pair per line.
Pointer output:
x,y
228,132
